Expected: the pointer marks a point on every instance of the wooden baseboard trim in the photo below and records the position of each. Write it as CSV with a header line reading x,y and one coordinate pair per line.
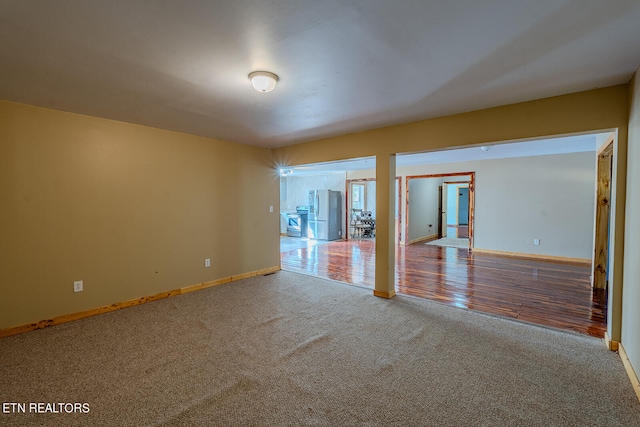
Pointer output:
x,y
222,281
383,294
630,371
117,306
611,344
581,261
424,239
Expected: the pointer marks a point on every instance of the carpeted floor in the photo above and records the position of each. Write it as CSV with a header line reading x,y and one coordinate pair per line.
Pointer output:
x,y
293,350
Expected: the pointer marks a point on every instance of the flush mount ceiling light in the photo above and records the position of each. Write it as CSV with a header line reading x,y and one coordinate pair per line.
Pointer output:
x,y
263,81
486,147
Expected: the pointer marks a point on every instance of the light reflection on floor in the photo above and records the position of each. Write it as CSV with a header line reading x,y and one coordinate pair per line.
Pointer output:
x,y
288,243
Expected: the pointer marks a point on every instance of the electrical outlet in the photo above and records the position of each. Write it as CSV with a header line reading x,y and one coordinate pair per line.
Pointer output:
x,y
271,209
536,242
207,262
78,286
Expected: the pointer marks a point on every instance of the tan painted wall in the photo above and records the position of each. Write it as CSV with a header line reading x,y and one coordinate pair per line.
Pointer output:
x,y
631,302
130,210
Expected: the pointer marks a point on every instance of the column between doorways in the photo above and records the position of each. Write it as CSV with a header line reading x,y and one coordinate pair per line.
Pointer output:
x,y
385,225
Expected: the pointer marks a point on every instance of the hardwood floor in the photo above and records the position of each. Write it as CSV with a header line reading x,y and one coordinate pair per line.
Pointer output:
x,y
547,293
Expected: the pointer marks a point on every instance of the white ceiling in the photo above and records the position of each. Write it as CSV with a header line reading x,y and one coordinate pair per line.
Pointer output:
x,y
344,65
560,145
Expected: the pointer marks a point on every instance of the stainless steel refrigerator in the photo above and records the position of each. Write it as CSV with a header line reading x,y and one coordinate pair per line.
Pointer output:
x,y
325,215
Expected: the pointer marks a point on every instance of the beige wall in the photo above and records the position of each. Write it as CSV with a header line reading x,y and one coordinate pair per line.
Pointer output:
x,y
423,209
550,198
130,210
631,295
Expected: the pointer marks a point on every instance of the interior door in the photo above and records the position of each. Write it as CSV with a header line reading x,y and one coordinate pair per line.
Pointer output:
x,y
443,215
439,217
463,206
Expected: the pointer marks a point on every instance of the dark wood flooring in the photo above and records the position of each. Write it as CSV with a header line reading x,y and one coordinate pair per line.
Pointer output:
x,y
547,293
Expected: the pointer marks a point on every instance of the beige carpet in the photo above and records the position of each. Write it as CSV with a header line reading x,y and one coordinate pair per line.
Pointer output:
x,y
292,350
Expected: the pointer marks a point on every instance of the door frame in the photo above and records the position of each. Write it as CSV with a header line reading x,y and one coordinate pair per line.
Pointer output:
x,y
458,187
472,204
347,193
398,219
600,265
347,205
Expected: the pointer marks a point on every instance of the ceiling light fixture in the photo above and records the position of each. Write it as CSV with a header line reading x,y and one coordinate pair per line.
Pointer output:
x,y
486,147
263,81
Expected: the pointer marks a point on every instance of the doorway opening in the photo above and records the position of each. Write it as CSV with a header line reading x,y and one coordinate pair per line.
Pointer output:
x,y
360,209
440,209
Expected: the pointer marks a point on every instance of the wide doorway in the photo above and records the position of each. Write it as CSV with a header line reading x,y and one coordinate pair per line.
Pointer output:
x,y
440,209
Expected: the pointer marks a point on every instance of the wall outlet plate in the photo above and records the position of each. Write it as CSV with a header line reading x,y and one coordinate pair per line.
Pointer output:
x,y
536,242
78,286
207,262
